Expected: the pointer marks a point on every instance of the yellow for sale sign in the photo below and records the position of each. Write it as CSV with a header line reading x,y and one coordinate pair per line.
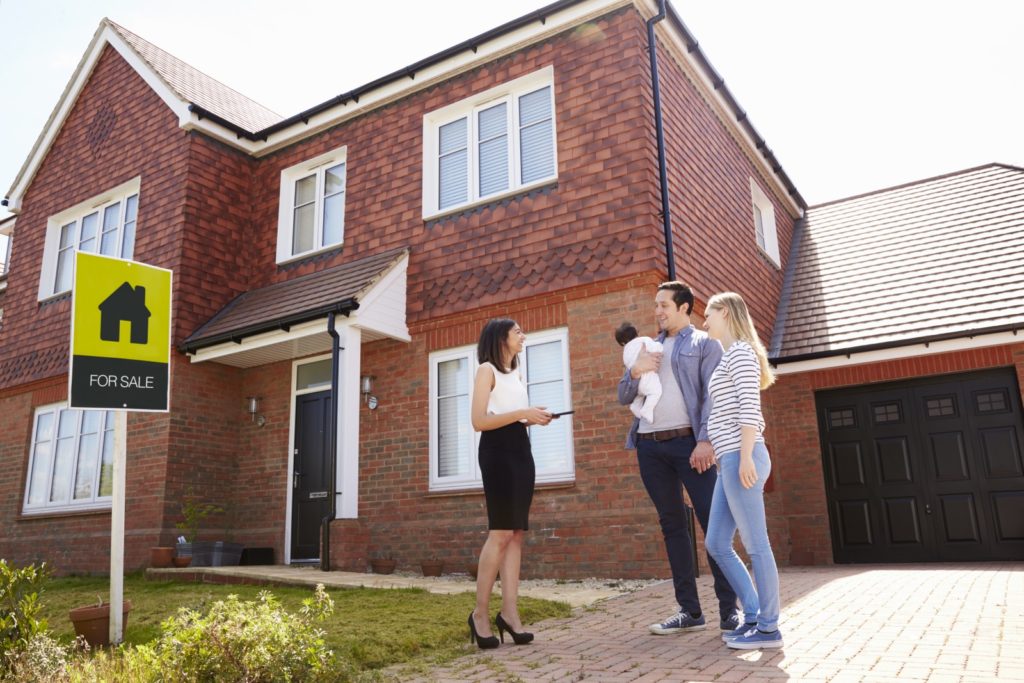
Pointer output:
x,y
120,334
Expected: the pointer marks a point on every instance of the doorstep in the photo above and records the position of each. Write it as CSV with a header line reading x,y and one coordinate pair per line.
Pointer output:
x,y
579,593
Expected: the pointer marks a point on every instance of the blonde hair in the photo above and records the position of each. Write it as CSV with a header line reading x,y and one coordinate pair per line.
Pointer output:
x,y
741,326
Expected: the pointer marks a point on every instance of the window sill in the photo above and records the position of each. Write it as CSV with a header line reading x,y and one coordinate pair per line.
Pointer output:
x,y
308,255
48,514
478,491
54,298
491,199
768,257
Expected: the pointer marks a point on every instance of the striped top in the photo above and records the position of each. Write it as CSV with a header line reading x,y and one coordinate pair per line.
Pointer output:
x,y
735,390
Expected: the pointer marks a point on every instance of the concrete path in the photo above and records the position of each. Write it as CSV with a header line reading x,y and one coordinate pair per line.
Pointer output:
x,y
960,623
576,593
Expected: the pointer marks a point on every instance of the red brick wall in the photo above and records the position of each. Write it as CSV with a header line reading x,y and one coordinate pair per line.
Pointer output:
x,y
214,253
712,215
144,141
601,525
261,484
598,220
800,515
78,542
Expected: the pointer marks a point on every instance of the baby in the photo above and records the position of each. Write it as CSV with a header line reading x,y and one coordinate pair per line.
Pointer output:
x,y
649,390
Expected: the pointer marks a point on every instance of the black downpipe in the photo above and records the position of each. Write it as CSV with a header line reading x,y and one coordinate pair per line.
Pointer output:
x,y
666,214
325,525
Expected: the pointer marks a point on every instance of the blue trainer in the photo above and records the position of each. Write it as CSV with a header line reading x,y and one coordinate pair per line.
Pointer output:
x,y
756,640
678,623
731,622
740,630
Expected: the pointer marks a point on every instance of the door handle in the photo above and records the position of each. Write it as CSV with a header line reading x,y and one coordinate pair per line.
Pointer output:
x,y
295,479
927,509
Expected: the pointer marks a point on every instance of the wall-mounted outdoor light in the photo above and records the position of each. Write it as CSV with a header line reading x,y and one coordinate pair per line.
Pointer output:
x,y
252,406
366,388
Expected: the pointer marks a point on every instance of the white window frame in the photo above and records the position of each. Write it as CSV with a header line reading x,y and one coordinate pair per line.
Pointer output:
x,y
75,214
7,237
471,480
96,502
468,108
761,204
285,215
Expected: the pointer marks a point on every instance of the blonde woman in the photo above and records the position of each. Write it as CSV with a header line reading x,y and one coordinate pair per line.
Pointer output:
x,y
735,427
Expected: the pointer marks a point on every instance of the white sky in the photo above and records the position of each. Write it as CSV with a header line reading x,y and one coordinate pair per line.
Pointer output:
x,y
851,96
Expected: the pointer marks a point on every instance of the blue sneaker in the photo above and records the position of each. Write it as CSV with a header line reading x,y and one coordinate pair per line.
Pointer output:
x,y
756,640
731,622
740,630
678,623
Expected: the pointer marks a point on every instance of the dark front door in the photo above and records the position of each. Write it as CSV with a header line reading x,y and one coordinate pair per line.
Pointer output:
x,y
311,486
925,470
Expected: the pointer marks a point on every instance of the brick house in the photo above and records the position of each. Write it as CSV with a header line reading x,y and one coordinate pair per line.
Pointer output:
x,y
514,174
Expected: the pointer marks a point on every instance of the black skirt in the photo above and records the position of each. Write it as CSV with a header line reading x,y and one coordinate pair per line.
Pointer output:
x,y
507,469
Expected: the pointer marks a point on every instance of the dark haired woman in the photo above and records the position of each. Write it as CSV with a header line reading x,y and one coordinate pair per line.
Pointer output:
x,y
501,412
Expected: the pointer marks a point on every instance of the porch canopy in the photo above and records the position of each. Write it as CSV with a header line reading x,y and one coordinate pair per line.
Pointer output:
x,y
288,319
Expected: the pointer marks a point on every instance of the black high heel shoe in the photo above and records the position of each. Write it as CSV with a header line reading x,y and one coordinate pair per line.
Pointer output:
x,y
521,638
483,642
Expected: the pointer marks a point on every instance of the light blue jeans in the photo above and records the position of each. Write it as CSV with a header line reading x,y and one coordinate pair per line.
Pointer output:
x,y
734,507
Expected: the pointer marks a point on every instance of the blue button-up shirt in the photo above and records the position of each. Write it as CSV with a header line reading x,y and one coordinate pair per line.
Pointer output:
x,y
694,358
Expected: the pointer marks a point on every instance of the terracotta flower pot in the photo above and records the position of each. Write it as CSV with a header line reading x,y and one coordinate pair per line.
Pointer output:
x,y
93,622
432,567
383,566
182,561
161,557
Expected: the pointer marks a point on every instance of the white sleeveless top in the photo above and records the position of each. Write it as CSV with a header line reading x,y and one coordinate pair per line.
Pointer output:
x,y
509,392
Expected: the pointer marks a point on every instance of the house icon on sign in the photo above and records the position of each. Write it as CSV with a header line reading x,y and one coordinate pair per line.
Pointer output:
x,y
126,303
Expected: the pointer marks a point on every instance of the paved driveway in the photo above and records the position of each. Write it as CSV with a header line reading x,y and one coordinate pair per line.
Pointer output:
x,y
938,622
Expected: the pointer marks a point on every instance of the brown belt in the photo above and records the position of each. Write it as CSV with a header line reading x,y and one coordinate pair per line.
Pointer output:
x,y
666,434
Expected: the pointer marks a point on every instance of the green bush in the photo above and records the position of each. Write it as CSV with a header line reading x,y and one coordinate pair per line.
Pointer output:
x,y
42,660
234,641
246,641
19,607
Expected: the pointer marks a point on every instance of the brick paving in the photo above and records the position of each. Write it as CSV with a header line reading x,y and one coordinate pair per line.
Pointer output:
x,y
962,623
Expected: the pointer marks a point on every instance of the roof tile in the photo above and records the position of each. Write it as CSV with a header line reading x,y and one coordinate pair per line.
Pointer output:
x,y
938,256
264,308
196,87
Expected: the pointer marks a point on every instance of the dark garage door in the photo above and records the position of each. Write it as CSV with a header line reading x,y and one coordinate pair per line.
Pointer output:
x,y
925,470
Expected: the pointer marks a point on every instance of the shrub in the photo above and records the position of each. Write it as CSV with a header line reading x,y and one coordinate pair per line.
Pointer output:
x,y
232,642
41,660
19,607
247,641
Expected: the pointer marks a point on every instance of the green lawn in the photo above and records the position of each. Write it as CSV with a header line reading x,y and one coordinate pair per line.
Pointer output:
x,y
373,628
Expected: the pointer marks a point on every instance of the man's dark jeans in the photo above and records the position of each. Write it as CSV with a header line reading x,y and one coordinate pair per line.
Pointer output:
x,y
663,466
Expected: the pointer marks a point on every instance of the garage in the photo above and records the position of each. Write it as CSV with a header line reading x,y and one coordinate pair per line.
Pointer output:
x,y
925,470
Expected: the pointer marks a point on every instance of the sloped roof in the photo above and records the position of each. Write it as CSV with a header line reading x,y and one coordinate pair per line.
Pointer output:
x,y
298,300
193,86
203,103
938,258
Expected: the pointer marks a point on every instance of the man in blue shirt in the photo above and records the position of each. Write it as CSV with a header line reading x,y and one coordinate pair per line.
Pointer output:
x,y
674,449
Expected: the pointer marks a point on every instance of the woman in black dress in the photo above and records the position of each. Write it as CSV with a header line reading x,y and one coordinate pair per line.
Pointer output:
x,y
501,412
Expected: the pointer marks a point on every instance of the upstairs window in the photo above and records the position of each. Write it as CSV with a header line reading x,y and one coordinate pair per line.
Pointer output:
x,y
764,224
102,225
71,463
491,145
311,217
